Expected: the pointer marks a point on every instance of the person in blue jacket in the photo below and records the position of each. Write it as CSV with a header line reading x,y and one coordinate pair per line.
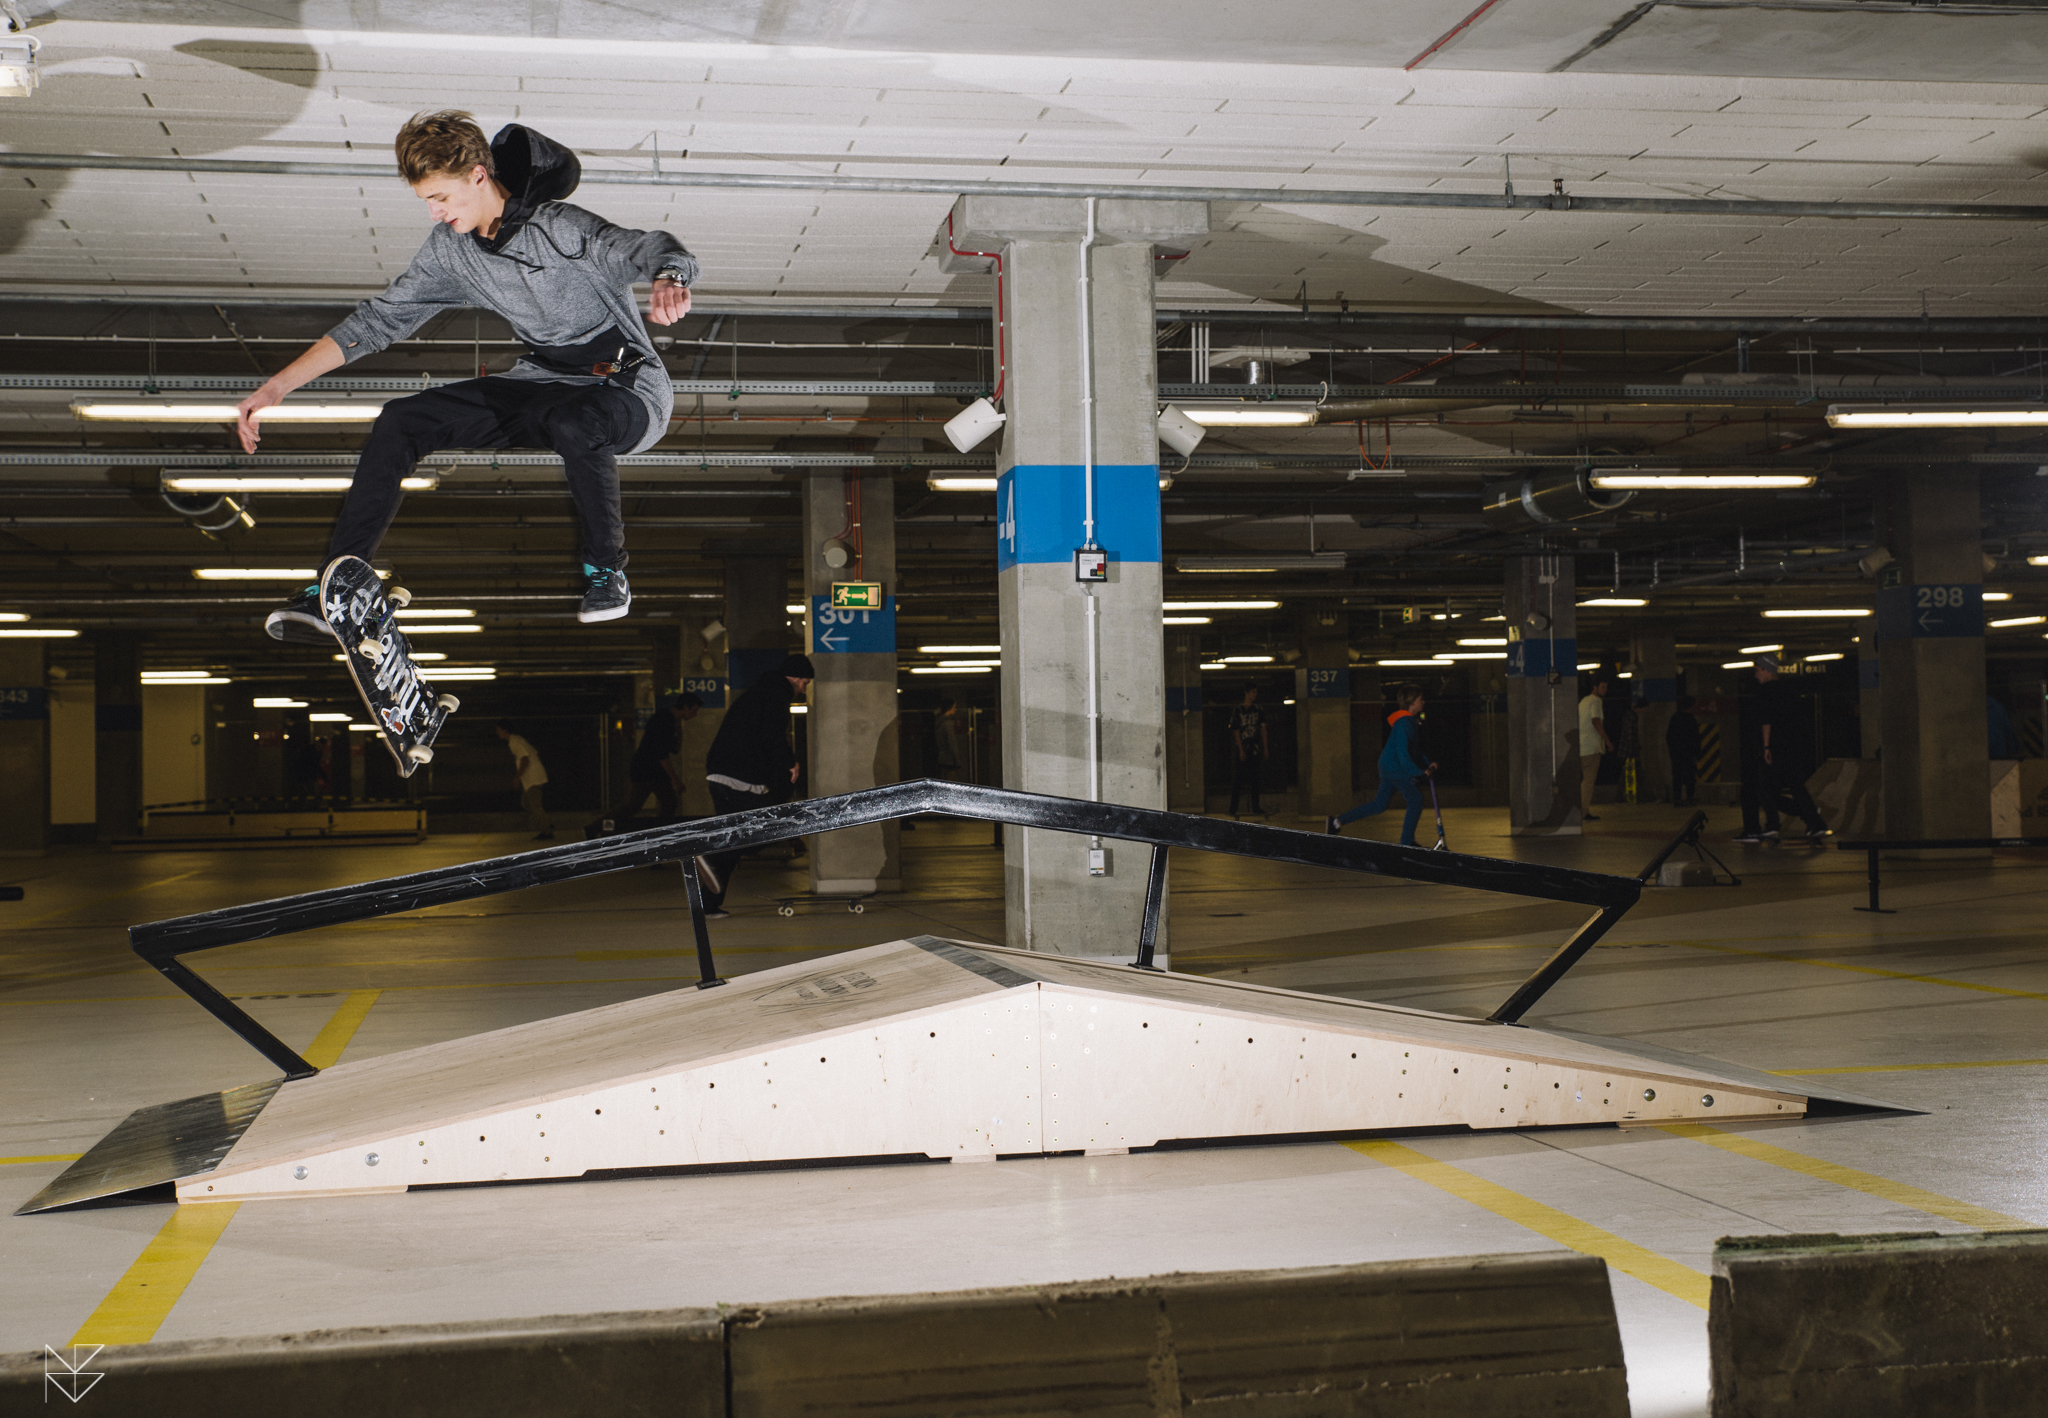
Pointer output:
x,y
1402,768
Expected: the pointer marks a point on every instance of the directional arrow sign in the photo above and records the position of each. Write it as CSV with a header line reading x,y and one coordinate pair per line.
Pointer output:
x,y
852,632
1919,612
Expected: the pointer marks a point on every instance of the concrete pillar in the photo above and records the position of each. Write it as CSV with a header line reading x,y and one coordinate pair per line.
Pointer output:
x,y
1083,662
1186,782
1322,717
117,733
24,749
1930,648
852,725
1368,727
1543,701
703,664
1653,662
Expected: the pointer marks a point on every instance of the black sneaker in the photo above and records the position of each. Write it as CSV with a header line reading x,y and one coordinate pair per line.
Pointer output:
x,y
1770,834
299,622
717,913
608,596
1752,838
1814,834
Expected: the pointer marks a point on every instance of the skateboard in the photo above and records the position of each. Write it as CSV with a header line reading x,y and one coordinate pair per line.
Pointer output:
x,y
364,618
854,902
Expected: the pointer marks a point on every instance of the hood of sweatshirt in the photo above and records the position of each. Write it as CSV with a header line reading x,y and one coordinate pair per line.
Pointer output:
x,y
1398,715
533,170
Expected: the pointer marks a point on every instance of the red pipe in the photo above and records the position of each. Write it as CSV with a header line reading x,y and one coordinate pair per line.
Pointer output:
x,y
1002,358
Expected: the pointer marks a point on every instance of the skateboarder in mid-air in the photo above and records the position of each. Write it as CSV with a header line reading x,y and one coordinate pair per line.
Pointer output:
x,y
590,385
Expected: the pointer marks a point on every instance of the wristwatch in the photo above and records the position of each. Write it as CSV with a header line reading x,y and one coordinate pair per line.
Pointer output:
x,y
671,273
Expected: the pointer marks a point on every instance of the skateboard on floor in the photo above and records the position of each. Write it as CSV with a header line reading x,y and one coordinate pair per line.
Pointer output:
x,y
402,704
855,902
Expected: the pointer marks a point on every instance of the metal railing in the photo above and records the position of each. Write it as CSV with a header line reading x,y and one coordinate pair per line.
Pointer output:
x,y
1874,847
160,943
1692,835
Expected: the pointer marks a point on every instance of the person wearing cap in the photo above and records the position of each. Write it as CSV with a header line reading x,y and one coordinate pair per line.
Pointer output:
x,y
650,773
751,763
1774,758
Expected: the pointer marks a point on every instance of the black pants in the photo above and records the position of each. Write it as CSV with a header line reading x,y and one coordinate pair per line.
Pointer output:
x,y
723,801
1765,786
656,785
588,424
1685,779
1246,773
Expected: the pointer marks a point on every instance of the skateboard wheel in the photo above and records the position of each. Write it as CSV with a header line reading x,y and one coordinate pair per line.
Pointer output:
x,y
370,650
857,909
398,596
785,910
420,753
448,704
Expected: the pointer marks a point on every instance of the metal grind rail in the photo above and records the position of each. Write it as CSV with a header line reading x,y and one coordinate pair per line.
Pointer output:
x,y
1924,844
160,943
1692,835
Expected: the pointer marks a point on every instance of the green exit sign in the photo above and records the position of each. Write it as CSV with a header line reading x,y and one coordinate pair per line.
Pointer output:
x,y
856,595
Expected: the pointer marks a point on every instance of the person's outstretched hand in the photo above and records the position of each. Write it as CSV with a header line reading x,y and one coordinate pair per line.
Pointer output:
x,y
669,303
245,413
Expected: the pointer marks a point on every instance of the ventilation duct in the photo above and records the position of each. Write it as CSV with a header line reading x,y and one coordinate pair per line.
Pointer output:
x,y
1548,499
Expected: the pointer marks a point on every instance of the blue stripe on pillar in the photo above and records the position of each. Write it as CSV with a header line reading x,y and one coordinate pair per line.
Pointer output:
x,y
1534,659
1040,507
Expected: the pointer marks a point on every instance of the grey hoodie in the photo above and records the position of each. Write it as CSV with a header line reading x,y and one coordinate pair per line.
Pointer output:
x,y
558,274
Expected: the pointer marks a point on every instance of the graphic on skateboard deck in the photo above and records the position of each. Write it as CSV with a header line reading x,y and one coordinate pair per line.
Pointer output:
x,y
364,618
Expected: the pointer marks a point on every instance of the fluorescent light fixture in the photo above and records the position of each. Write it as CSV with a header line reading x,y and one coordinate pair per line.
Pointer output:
x,y
255,573
1685,481
435,613
15,634
1473,655
1936,415
362,728
1626,674
2037,561
1176,607
959,649
796,609
1738,664
1759,649
1249,415
970,664
1290,561
148,675
1493,617
457,629
1247,659
1184,620
188,679
171,411
1215,667
1615,601
799,708
1440,662
1988,595
937,670
1819,659
276,702
452,674
18,74
957,483
2018,620
1812,614
328,718
212,483
1589,665
12,616
416,656
1485,640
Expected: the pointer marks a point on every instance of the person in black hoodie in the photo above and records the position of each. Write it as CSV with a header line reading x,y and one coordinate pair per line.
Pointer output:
x,y
590,385
1682,742
751,764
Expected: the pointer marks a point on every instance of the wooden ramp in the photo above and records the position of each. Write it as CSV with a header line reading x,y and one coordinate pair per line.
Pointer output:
x,y
930,1048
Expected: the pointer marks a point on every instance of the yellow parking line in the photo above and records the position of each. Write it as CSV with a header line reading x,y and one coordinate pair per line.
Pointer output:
x,y
141,1299
1868,970
1934,1203
1646,1265
1912,1068
46,1157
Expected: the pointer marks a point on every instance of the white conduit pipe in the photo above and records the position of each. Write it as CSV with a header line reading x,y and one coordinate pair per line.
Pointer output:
x,y
1094,624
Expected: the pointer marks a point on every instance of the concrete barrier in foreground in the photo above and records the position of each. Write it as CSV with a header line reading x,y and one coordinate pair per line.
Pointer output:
x,y
1504,1336
1912,1323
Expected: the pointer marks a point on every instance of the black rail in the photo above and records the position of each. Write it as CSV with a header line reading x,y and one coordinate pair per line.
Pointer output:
x,y
161,942
1914,844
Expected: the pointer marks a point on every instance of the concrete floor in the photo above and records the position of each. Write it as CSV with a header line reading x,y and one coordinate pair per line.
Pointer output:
x,y
1941,1007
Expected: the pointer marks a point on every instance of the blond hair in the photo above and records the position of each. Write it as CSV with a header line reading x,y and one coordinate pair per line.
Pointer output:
x,y
444,141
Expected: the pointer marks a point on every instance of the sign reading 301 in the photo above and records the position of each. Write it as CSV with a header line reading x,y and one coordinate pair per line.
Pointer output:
x,y
844,631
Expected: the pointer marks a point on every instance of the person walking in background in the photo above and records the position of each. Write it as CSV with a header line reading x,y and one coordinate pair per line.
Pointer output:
x,y
1402,768
1594,743
1251,739
650,773
533,779
1682,742
1774,758
946,737
751,764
